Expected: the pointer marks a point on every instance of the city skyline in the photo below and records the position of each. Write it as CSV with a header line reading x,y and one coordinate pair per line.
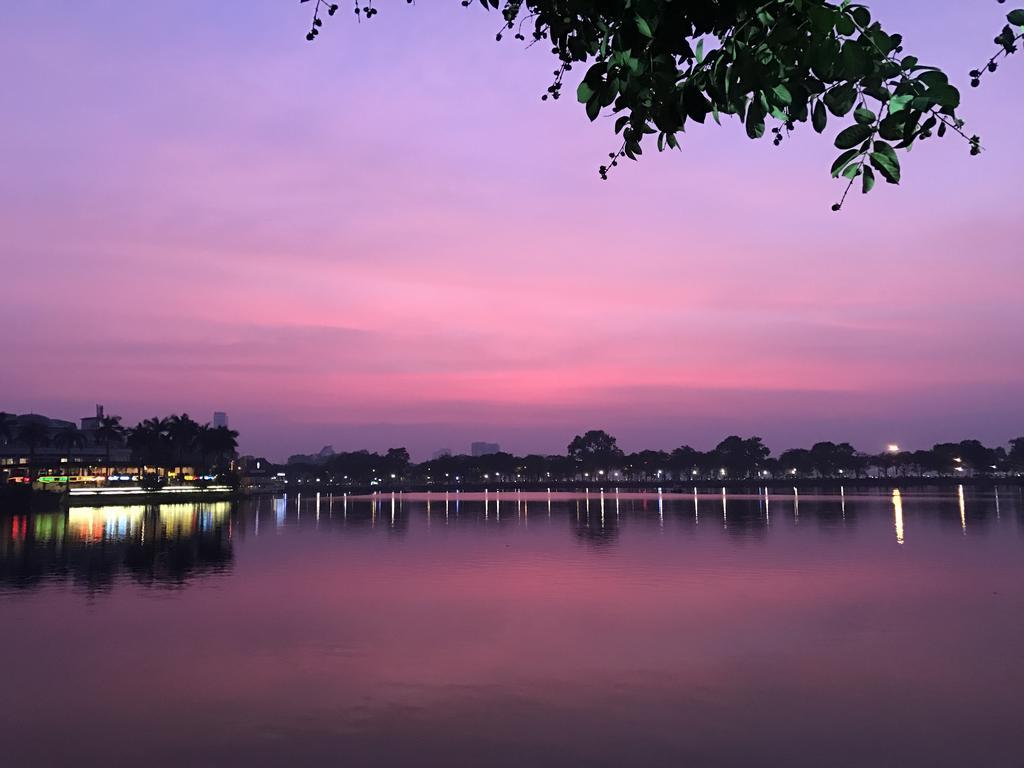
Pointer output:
x,y
221,245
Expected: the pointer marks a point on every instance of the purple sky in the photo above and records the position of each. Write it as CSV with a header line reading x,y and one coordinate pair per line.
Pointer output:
x,y
387,238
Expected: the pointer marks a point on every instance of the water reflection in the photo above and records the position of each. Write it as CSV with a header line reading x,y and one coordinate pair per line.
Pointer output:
x,y
519,629
92,547
897,511
172,544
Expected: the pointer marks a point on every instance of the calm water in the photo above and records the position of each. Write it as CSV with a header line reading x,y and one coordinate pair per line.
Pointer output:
x,y
859,631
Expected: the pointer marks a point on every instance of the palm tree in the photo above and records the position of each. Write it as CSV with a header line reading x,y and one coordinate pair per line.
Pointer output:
x,y
217,442
183,432
108,431
69,438
34,434
148,440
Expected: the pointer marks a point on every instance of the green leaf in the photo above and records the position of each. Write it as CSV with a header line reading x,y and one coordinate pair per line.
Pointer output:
x,y
643,26
840,100
700,51
864,116
584,92
842,160
884,159
782,95
1016,17
853,136
869,179
819,118
945,96
899,103
695,103
755,120
593,108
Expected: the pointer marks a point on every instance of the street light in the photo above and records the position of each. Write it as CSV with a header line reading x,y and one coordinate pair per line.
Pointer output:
x,y
892,448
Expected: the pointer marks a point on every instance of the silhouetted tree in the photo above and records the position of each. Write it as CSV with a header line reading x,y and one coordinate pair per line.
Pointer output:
x,y
796,461
1016,455
216,443
594,450
34,434
150,442
6,427
182,431
740,457
109,432
69,438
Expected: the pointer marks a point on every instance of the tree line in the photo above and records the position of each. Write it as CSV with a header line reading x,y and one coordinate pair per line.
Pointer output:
x,y
178,441
596,456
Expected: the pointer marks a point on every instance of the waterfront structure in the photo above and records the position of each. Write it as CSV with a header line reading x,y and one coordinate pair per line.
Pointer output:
x,y
32,438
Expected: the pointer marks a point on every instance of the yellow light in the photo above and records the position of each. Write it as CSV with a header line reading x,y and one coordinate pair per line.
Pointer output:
x,y
963,508
897,512
893,448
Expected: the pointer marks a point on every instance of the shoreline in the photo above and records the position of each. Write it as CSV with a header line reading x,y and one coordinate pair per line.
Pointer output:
x,y
23,500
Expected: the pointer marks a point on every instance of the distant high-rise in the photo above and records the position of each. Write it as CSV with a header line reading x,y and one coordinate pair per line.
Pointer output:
x,y
483,449
441,453
220,419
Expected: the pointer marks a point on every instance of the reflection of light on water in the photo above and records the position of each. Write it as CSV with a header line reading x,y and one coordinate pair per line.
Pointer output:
x,y
95,523
280,510
963,508
210,515
897,513
178,519
725,510
45,527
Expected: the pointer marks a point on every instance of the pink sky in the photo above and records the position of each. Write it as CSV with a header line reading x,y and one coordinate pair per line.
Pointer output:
x,y
387,238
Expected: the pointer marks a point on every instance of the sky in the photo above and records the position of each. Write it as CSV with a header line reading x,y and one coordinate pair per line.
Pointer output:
x,y
386,238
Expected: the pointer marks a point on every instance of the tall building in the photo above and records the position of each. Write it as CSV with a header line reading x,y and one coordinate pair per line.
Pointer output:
x,y
220,419
441,453
483,449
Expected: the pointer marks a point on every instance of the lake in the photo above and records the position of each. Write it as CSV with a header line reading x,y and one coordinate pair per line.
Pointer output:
x,y
871,629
